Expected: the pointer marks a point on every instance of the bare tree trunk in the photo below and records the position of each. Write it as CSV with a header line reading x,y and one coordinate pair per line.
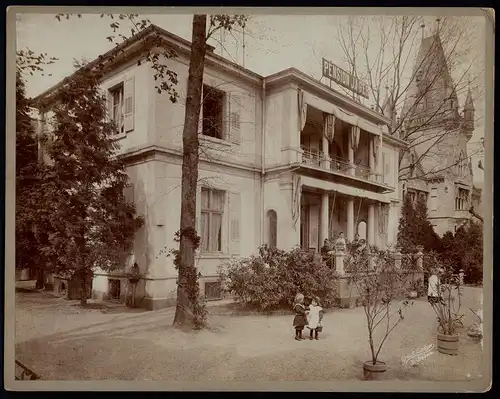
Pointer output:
x,y
187,273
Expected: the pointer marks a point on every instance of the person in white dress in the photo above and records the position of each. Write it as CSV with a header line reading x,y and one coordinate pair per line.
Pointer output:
x,y
314,318
433,288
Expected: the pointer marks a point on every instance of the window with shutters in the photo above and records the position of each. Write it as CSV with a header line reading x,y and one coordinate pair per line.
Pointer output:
x,y
117,111
212,112
212,212
434,198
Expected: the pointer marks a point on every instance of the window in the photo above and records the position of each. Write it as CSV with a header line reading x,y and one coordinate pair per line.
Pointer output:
x,y
273,227
433,204
117,111
213,106
213,290
114,289
461,199
212,209
413,196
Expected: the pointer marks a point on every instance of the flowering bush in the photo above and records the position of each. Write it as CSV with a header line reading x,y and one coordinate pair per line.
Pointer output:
x,y
271,279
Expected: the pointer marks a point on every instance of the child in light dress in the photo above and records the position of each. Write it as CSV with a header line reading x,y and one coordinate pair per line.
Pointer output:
x,y
314,318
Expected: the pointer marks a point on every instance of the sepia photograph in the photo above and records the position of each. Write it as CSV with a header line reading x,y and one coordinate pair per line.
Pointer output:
x,y
269,199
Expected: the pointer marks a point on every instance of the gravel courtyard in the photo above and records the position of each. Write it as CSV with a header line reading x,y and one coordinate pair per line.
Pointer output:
x,y
61,341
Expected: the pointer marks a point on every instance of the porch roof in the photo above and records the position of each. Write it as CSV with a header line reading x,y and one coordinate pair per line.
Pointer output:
x,y
343,189
344,115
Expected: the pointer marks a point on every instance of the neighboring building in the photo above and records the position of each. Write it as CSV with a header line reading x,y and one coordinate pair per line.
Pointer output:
x,y
284,160
438,167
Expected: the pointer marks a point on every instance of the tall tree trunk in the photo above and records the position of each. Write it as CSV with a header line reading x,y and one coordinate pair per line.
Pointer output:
x,y
40,278
187,274
83,287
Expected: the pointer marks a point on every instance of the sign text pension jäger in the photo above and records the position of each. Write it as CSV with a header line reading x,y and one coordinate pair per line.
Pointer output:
x,y
338,75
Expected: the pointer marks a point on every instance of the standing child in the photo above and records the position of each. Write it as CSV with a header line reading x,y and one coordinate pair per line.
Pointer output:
x,y
300,320
314,318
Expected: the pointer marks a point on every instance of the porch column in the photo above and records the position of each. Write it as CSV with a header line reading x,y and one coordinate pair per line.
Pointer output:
x,y
350,153
325,162
371,225
371,159
323,235
350,220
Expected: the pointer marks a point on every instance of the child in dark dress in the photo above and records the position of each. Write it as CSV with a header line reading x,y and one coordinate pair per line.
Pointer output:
x,y
300,319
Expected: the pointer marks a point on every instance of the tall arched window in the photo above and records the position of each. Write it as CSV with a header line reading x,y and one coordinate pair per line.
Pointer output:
x,y
361,230
272,220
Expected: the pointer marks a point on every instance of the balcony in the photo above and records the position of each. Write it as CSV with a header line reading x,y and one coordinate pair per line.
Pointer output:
x,y
342,168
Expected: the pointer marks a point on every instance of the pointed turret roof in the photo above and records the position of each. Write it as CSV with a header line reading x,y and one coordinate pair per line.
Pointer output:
x,y
469,103
432,82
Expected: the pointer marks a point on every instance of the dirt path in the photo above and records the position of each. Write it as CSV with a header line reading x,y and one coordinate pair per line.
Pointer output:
x,y
62,341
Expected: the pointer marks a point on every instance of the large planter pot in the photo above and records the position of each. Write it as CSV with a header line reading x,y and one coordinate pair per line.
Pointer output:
x,y
374,372
22,274
448,344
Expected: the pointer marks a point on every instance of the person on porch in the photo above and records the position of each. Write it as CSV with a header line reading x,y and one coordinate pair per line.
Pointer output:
x,y
325,249
340,243
355,244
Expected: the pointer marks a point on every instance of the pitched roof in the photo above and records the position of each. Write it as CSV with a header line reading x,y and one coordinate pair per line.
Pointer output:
x,y
469,103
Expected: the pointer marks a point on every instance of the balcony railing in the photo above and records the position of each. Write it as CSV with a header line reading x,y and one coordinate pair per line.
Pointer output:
x,y
312,157
317,158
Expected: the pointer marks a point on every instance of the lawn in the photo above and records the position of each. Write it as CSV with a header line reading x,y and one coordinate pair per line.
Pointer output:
x,y
59,340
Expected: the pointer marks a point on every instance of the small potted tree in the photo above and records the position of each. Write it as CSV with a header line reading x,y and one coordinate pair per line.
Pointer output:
x,y
381,286
447,308
475,331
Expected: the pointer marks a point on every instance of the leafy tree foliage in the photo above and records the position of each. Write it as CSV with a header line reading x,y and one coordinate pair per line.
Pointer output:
x,y
91,224
414,227
465,250
28,170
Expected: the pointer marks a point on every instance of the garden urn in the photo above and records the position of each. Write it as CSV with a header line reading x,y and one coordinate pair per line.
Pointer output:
x,y
374,372
448,344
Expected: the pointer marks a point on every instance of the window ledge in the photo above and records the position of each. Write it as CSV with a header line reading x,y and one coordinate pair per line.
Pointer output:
x,y
215,140
119,136
212,255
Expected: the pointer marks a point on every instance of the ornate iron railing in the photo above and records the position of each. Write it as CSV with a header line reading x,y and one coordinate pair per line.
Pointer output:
x,y
315,158
311,157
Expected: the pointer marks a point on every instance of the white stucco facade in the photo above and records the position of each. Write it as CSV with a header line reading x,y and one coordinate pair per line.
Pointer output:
x,y
271,177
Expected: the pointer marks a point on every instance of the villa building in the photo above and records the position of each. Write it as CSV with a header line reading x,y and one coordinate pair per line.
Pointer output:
x,y
284,160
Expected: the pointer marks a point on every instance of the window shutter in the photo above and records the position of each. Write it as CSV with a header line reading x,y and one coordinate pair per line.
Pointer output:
x,y
128,96
198,210
109,99
234,223
233,118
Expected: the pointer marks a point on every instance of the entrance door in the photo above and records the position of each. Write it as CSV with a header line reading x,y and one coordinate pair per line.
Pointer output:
x,y
314,227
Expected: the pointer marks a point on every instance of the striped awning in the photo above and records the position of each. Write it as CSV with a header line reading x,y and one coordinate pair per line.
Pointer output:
x,y
342,114
344,189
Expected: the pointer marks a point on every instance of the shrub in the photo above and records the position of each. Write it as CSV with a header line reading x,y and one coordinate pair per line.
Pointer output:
x,y
271,279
